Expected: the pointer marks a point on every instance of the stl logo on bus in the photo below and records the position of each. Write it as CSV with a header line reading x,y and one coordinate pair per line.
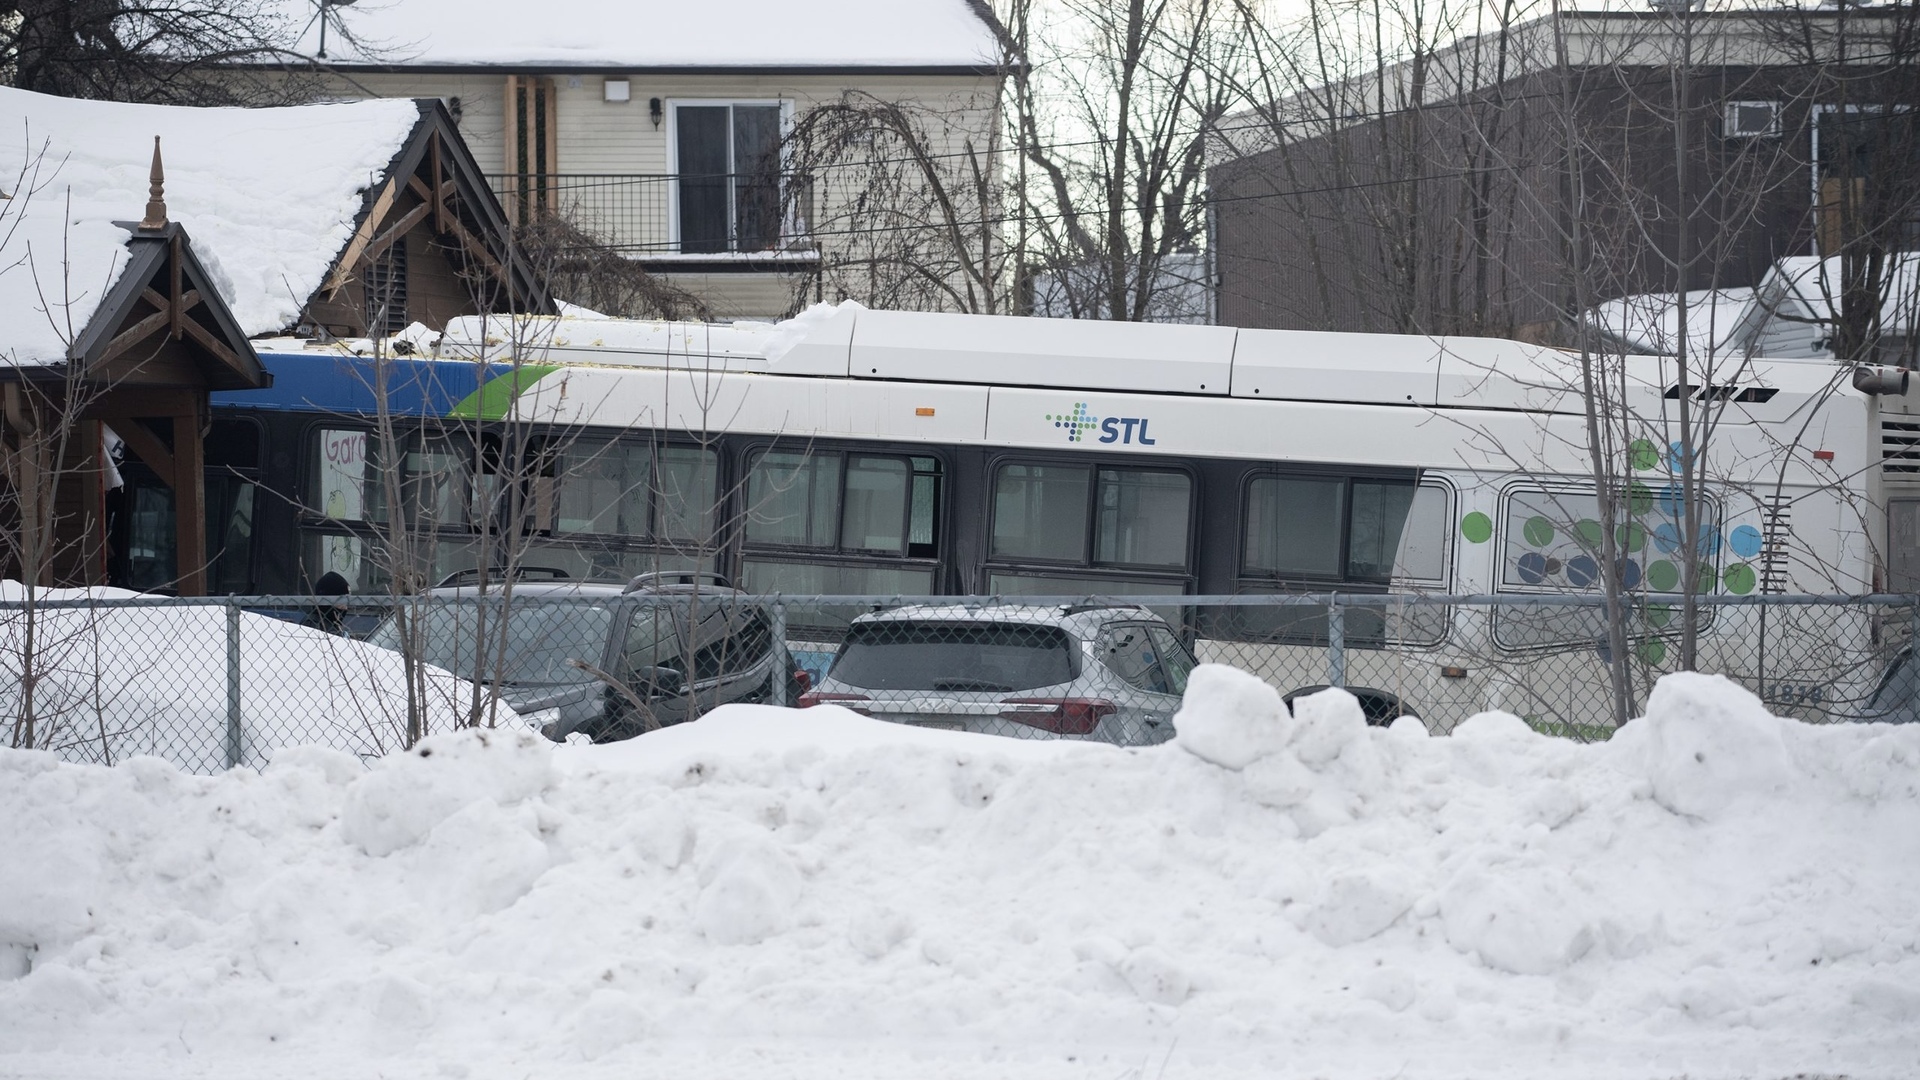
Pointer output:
x,y
1076,422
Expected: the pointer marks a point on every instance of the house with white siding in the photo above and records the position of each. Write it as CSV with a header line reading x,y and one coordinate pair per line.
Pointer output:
x,y
658,127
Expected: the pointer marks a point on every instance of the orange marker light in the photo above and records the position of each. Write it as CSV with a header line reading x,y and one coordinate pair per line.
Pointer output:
x,y
923,411
1823,455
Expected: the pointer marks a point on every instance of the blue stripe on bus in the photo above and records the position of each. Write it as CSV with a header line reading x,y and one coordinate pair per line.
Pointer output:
x,y
345,385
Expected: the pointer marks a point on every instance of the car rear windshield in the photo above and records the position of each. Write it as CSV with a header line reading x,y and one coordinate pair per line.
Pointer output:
x,y
987,657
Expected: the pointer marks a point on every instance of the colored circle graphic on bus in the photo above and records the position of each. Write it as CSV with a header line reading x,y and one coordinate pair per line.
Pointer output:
x,y
1476,527
1629,574
1589,532
1532,568
1663,576
1639,498
1653,651
1659,615
1642,454
1740,579
1745,541
1582,572
1631,537
1538,531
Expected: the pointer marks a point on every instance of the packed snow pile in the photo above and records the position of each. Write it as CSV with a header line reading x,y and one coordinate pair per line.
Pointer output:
x,y
112,682
765,892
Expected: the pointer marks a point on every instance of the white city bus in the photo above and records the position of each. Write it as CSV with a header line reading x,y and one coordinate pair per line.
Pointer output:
x,y
863,452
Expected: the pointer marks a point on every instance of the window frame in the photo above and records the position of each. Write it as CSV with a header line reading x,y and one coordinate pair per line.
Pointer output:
x,y
1086,566
655,536
1249,579
748,549
672,106
1635,597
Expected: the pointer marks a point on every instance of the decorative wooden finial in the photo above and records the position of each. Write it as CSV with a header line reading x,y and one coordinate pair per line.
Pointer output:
x,y
156,218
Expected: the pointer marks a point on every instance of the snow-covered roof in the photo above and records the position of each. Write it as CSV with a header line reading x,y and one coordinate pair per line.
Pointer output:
x,y
621,35
1648,323
1789,315
1816,283
268,196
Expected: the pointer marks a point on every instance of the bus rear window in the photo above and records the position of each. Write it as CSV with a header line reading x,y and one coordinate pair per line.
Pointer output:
x,y
985,657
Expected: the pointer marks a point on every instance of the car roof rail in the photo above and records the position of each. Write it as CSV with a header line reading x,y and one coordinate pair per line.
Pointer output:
x,y
656,578
471,575
1075,609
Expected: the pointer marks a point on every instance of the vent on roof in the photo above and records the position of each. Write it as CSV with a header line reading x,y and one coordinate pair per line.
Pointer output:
x,y
1900,447
1752,395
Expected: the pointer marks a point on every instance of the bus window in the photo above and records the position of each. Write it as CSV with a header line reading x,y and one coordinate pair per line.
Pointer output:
x,y
633,490
1293,526
793,499
435,479
1297,528
875,514
1143,518
1553,544
841,522
344,482
687,485
1422,553
1041,513
1553,541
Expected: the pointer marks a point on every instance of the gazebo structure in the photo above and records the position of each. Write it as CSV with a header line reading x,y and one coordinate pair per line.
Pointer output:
x,y
139,368
319,221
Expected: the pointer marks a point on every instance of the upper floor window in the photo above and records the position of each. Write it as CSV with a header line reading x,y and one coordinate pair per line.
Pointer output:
x,y
728,167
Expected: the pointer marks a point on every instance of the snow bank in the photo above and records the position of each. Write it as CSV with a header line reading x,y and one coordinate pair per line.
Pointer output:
x,y
1715,893
116,682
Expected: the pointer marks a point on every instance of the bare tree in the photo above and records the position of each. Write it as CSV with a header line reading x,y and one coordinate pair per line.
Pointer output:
x,y
182,52
1864,77
1108,103
906,200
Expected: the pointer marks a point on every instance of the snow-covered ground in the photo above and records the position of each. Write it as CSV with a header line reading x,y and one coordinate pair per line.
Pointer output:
x,y
769,893
118,681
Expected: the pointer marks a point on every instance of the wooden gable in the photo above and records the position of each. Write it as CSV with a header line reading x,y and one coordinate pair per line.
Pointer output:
x,y
431,244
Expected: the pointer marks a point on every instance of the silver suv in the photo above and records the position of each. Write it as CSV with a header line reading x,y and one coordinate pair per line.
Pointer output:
x,y
1107,674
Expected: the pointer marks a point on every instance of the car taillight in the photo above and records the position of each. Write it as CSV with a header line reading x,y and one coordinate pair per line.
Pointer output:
x,y
1062,716
802,678
821,697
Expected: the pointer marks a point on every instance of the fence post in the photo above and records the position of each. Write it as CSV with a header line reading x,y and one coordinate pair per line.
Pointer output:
x,y
1336,643
777,694
235,748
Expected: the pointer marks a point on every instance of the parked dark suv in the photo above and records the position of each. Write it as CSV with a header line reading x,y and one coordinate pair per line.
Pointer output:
x,y
609,661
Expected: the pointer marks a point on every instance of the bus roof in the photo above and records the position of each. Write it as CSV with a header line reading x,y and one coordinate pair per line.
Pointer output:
x,y
849,341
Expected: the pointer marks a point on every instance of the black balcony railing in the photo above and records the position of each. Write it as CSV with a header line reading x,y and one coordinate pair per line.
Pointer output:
x,y
647,215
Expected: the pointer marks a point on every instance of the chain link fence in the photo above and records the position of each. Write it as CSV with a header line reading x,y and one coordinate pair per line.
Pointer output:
x,y
209,684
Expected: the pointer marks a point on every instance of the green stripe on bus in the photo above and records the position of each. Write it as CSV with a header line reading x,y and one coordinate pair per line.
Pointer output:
x,y
496,396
